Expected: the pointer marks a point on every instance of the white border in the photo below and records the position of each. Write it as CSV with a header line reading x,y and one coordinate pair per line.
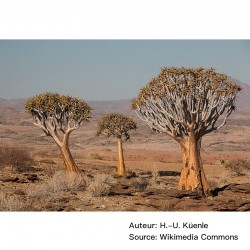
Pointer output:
x,y
110,231
124,19
117,19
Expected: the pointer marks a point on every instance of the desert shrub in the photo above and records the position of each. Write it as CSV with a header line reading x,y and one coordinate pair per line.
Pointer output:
x,y
131,174
239,166
61,181
221,161
101,185
14,156
96,156
216,182
105,178
98,189
11,203
42,153
140,184
154,181
50,170
157,185
155,176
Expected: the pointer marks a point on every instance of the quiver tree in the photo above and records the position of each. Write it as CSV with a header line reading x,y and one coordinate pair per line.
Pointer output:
x,y
118,126
58,116
186,104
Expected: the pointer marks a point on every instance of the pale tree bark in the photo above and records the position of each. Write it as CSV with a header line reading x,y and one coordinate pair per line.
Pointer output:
x,y
192,173
50,128
118,126
121,165
68,160
186,104
59,115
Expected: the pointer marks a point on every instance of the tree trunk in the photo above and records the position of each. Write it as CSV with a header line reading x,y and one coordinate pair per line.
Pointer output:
x,y
121,165
192,174
69,162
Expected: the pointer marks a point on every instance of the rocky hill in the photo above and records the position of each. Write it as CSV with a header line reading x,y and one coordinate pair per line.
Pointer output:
x,y
12,110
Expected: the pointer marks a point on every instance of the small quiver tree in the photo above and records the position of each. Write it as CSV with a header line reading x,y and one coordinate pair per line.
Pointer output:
x,y
185,104
119,126
58,116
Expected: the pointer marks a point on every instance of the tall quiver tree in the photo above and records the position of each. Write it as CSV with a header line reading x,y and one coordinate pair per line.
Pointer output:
x,y
58,116
185,104
118,126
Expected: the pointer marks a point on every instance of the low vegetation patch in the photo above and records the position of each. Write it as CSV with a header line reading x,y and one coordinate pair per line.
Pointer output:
x,y
239,167
155,182
101,185
131,174
11,203
61,181
216,182
15,157
140,184
96,156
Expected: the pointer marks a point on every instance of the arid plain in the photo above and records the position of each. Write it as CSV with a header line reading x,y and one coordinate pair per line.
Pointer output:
x,y
153,163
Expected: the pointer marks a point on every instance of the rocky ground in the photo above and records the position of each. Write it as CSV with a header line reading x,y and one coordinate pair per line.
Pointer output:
x,y
153,162
42,188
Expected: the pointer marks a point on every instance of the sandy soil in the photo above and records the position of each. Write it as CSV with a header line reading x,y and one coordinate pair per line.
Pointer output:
x,y
153,162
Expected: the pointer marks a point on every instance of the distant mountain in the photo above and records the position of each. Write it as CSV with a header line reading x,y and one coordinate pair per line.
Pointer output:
x,y
103,107
243,100
16,104
124,106
12,110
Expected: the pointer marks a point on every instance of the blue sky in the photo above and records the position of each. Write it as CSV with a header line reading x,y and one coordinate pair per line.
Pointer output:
x,y
109,69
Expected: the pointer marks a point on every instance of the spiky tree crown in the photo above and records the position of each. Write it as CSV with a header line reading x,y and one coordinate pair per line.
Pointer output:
x,y
179,100
58,106
52,112
116,125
